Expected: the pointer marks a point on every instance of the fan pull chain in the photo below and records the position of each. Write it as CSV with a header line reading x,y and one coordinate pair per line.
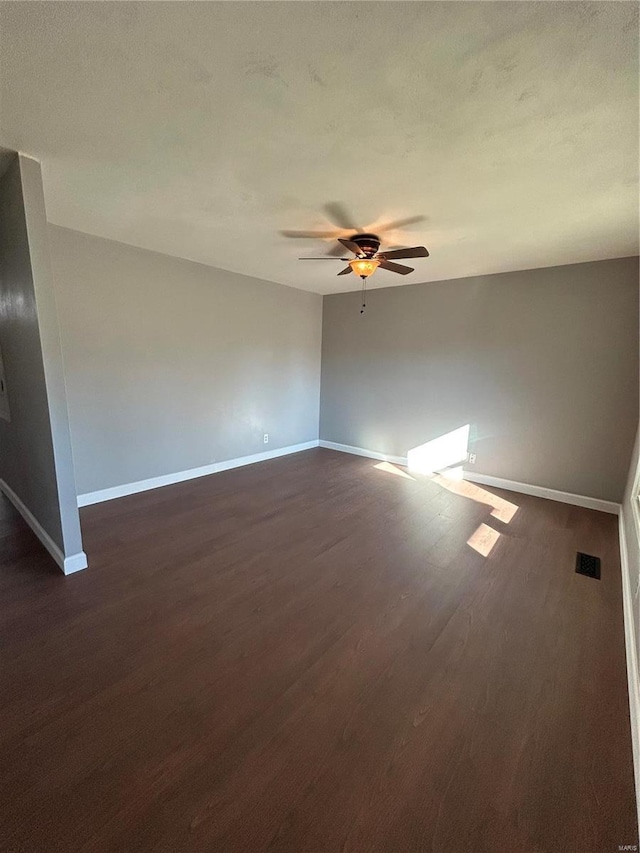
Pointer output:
x,y
364,293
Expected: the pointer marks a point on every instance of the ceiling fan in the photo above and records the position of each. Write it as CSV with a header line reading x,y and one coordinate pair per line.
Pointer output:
x,y
368,257
364,244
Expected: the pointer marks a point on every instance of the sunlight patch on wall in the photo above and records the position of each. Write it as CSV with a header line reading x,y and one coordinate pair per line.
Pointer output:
x,y
446,451
483,539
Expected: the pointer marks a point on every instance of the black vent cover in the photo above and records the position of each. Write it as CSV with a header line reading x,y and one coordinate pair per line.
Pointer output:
x,y
588,565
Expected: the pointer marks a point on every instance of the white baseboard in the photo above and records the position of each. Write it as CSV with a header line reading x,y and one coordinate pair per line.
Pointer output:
x,y
633,673
543,492
191,474
485,480
70,564
360,451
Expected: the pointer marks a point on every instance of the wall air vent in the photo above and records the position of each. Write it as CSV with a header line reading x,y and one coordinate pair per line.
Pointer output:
x,y
588,565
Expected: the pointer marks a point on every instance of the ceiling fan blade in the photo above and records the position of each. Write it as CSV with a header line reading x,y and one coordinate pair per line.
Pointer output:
x,y
320,235
399,268
336,250
415,252
323,258
351,246
399,223
339,215
345,271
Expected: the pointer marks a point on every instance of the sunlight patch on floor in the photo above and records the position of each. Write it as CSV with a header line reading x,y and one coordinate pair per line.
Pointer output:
x,y
442,460
455,473
501,509
389,468
483,539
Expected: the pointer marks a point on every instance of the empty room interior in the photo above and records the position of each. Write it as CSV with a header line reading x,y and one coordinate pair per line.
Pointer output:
x,y
319,408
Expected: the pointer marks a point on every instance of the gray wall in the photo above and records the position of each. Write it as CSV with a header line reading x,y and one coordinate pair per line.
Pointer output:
x,y
35,447
172,365
543,365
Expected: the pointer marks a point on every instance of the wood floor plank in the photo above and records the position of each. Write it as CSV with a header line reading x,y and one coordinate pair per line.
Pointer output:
x,y
316,654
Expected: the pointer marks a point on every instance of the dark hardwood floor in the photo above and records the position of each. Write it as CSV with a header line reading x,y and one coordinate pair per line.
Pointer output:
x,y
305,655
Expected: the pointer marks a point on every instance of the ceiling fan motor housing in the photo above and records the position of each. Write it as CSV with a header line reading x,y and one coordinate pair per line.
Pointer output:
x,y
369,244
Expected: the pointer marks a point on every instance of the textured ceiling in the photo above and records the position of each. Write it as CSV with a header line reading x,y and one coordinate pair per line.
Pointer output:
x,y
203,129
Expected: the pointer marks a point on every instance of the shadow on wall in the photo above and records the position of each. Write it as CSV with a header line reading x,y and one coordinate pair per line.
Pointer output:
x,y
441,459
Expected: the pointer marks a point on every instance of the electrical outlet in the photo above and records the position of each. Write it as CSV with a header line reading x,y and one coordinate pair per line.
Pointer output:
x,y
266,438
472,458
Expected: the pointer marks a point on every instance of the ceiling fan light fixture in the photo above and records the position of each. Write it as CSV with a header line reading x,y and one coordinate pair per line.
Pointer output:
x,y
364,267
